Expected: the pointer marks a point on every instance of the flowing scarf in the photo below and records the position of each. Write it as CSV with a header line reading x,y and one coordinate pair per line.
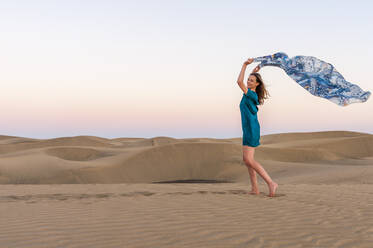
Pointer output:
x,y
318,77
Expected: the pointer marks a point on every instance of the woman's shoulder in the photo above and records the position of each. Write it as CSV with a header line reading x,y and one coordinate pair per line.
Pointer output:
x,y
252,95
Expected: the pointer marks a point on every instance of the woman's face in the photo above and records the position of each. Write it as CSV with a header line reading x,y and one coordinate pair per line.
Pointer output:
x,y
251,82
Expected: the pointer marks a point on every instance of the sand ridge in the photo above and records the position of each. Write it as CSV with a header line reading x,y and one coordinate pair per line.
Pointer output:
x,y
89,159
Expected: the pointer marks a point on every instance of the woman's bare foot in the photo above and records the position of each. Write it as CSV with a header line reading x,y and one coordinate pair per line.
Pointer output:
x,y
272,189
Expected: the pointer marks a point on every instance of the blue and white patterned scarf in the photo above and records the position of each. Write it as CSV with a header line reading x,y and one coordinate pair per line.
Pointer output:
x,y
317,77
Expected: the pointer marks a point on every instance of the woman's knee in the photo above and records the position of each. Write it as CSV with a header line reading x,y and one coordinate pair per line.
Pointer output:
x,y
248,161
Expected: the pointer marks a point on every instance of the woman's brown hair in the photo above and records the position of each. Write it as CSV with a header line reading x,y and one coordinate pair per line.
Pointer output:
x,y
260,89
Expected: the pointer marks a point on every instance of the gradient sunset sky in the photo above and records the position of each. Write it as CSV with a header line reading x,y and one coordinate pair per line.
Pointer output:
x,y
169,68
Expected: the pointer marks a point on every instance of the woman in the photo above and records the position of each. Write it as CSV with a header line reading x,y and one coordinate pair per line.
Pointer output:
x,y
254,94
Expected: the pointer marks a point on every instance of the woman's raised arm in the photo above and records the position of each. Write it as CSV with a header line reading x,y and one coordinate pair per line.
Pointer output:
x,y
243,69
242,75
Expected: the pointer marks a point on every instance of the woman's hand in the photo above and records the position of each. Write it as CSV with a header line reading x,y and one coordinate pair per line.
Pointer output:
x,y
256,69
249,61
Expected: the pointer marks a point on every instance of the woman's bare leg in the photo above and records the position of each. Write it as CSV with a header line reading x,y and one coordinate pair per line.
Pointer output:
x,y
248,157
253,180
252,173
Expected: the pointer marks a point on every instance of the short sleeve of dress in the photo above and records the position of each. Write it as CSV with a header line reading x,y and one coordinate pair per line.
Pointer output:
x,y
252,95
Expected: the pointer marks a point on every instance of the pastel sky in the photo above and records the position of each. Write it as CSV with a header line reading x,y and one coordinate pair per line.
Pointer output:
x,y
169,68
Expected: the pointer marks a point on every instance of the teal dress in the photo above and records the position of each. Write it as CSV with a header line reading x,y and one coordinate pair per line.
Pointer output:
x,y
249,119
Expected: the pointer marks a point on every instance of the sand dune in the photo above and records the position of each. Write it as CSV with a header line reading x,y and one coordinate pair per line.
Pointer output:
x,y
284,137
88,191
89,159
76,153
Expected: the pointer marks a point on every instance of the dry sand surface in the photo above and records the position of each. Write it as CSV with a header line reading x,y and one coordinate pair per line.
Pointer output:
x,y
88,191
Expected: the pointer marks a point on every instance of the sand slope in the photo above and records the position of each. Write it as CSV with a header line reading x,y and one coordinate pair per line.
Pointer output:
x,y
89,159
